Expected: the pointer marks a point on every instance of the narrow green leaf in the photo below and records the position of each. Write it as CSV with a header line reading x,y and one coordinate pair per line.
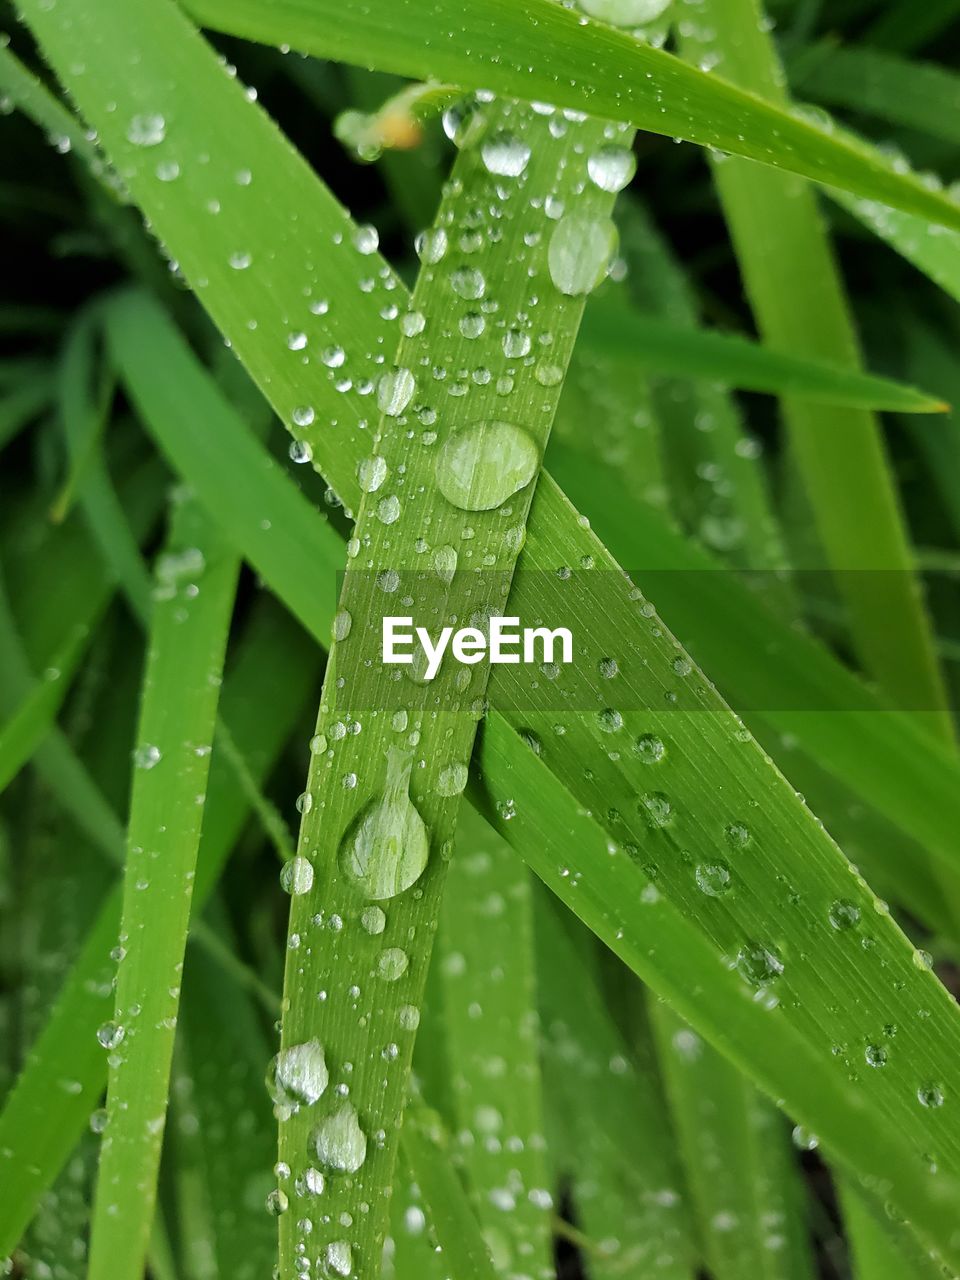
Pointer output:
x,y
656,347
193,602
591,67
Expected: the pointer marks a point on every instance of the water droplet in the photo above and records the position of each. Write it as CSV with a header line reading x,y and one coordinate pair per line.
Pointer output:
x,y
277,1202
240,260
505,155
516,343
296,341
373,920
758,963
298,1075
366,239
610,720
658,808
303,415
479,468
386,848
392,963
452,780
468,283
340,1257
342,622
339,1141
395,391
803,1139
147,130
922,959
930,1095
371,473
844,914
738,835
875,1055
146,756
611,168
300,451
408,1015
579,253
431,245
445,562
110,1034
296,876
713,878
650,748
388,509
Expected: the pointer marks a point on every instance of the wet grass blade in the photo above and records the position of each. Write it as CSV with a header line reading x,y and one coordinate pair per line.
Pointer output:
x,y
741,1168
489,1027
591,67
656,347
192,607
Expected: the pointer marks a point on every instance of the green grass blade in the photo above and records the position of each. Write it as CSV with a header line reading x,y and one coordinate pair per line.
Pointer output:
x,y
489,1025
46,1112
19,406
467,531
426,1149
903,26
193,603
500,46
657,347
798,299
936,255
24,91
740,1164
614,1141
919,95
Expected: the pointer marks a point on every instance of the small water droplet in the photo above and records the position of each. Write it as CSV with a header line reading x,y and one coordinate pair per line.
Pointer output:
x,y
296,876
110,1035
395,391
930,1095
505,155
298,1075
147,756
452,780
373,920
758,963
431,245
339,1141
392,963
147,130
713,878
844,914
468,283
340,1257
579,253
611,168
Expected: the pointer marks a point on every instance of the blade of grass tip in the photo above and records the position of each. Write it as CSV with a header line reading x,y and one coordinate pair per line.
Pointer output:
x,y
798,299
733,514
46,1113
738,363
519,168
85,392
426,1149
739,1161
192,607
613,1142
926,350
226,1134
486,965
919,95
591,67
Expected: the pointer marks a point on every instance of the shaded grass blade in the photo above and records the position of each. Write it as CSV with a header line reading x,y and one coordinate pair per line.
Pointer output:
x,y
192,607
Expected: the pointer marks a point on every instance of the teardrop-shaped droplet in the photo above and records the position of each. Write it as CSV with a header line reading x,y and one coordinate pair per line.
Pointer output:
x,y
482,466
385,850
445,562
395,391
339,1141
579,253
298,1075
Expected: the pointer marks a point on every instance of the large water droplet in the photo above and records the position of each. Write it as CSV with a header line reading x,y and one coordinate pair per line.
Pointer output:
x,y
468,283
395,391
482,466
579,252
386,848
296,876
611,168
505,155
339,1141
392,963
339,1257
298,1076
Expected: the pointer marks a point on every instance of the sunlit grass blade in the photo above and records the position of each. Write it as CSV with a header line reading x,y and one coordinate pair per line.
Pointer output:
x,y
468,482
797,296
192,606
489,1027
46,1113
591,67
612,1139
657,347
740,1166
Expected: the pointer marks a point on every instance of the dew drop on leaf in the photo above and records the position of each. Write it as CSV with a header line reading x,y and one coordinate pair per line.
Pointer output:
x,y
385,849
504,155
624,13
147,130
579,253
482,466
339,1141
298,1075
611,168
713,878
758,963
844,914
296,876
392,963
